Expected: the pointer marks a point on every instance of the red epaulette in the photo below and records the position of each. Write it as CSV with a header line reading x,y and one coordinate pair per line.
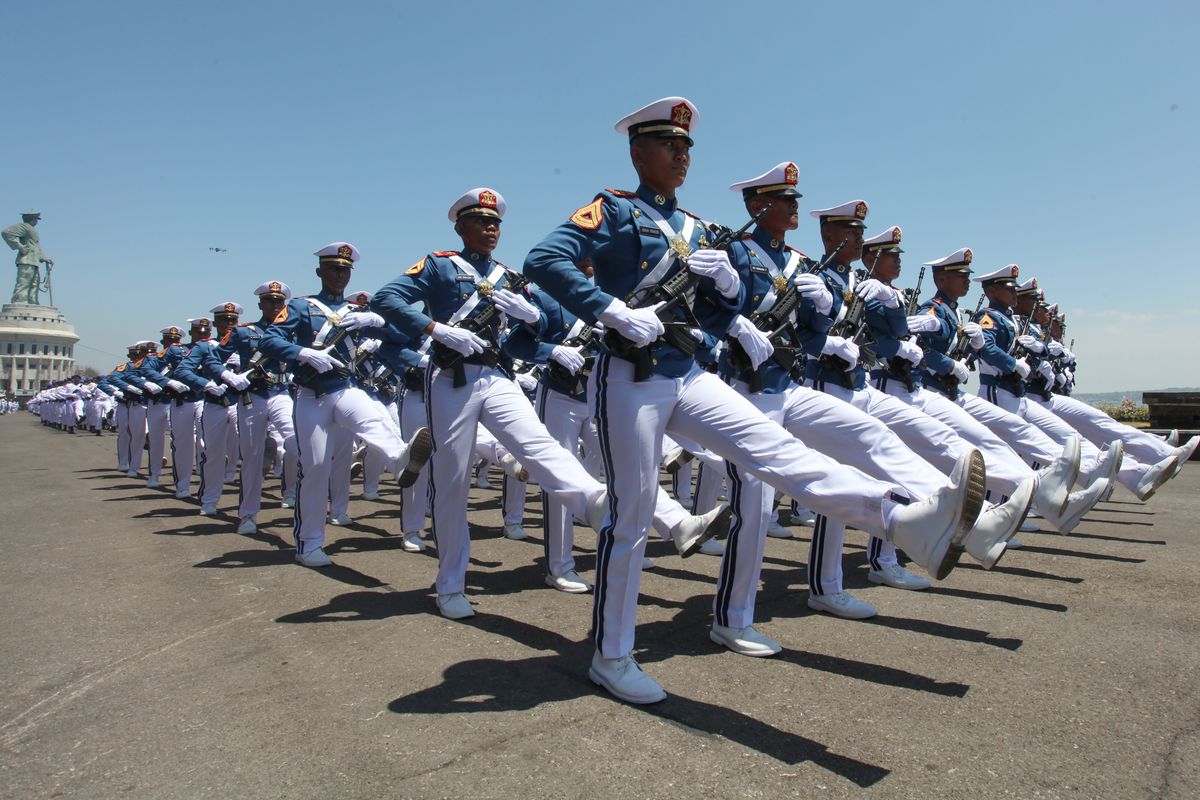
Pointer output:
x,y
621,193
794,250
693,216
937,301
445,253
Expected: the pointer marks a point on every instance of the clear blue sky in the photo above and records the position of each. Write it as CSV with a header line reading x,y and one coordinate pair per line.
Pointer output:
x,y
1060,136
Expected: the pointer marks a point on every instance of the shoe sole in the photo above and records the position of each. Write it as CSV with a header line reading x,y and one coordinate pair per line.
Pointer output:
x,y
1164,476
719,525
419,450
989,563
734,649
595,678
676,464
583,590
882,582
1021,521
842,616
976,488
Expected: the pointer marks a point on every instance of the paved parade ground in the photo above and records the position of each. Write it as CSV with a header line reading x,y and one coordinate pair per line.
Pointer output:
x,y
150,652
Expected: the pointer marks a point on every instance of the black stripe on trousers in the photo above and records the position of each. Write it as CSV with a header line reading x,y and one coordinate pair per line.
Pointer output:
x,y
729,560
874,551
542,398
816,552
605,539
296,519
429,378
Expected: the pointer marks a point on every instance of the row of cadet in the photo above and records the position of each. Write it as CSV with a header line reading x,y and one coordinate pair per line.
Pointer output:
x,y
660,331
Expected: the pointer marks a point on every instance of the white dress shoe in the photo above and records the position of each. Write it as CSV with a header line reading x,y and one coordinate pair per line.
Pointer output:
x,y
247,525
1172,438
131,473
208,509
314,558
420,447
623,678
340,519
1056,480
183,495
1184,453
777,531
843,604
288,501
713,547
370,495
569,582
1029,526
1106,495
153,483
647,563
674,460
1080,503
514,531
931,531
802,516
482,482
1155,477
1014,544
693,531
745,641
513,469
413,543
455,606
898,577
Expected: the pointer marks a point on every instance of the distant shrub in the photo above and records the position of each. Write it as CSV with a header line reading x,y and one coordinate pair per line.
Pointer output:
x,y
1128,411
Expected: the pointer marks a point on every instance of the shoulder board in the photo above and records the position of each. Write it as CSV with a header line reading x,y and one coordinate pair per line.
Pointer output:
x,y
986,322
245,324
225,338
937,301
621,193
693,216
794,250
281,316
120,368
445,253
500,263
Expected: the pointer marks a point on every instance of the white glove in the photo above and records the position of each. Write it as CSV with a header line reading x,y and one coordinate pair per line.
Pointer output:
x,y
756,344
236,381
1031,343
814,289
424,361
1055,349
135,391
526,381
380,371
152,388
515,306
1046,371
1069,374
369,345
320,360
361,319
910,352
975,334
872,289
234,361
118,394
923,323
570,357
1060,380
1022,368
960,371
639,325
715,264
177,386
843,349
460,340
214,389
1070,356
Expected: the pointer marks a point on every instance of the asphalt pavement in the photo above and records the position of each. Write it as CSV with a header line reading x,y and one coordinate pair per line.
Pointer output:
x,y
149,652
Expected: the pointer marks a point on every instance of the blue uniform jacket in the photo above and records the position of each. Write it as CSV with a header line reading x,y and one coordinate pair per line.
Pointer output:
x,y
813,327
887,327
296,328
244,340
534,343
758,259
999,336
204,362
937,344
623,244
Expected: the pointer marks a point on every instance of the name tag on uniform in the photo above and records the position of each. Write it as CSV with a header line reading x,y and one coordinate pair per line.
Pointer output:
x,y
461,277
759,270
649,230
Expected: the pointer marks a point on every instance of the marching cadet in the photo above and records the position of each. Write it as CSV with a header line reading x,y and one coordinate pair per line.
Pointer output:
x,y
635,240
156,369
1148,462
201,369
1002,377
132,437
466,384
898,375
264,400
947,344
185,412
310,334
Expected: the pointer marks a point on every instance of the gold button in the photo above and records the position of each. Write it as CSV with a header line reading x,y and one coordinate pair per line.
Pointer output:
x,y
774,243
637,213
755,297
658,198
654,361
645,265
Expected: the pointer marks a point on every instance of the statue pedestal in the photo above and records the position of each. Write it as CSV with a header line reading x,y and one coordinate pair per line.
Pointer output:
x,y
37,345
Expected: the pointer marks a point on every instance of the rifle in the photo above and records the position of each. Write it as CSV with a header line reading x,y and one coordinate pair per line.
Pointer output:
x,y
776,321
584,341
901,368
304,374
257,371
671,292
479,324
1038,384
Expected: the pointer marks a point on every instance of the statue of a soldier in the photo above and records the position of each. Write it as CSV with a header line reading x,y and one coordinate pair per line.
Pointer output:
x,y
23,238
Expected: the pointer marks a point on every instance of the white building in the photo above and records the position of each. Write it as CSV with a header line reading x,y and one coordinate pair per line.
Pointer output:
x,y
37,345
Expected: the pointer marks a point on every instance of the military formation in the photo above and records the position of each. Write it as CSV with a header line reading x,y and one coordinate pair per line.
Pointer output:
x,y
637,338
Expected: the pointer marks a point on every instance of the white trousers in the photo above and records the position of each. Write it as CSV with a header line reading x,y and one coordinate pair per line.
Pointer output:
x,y
183,444
1034,447
214,430
1052,426
454,414
156,427
253,421
232,444
373,462
94,413
324,425
565,420
1100,430
414,500
632,417
136,437
1005,469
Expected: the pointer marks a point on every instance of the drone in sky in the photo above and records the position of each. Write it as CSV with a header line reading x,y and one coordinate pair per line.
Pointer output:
x,y
218,250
